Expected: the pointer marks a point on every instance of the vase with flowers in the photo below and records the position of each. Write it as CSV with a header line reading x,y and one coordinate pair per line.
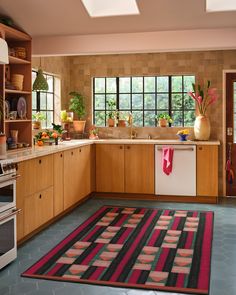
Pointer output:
x,y
204,97
183,134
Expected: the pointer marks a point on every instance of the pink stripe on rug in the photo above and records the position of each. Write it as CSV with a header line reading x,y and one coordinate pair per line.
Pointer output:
x,y
162,259
50,254
125,235
86,238
180,280
92,254
175,223
189,240
203,279
121,220
129,253
55,269
154,237
135,275
97,273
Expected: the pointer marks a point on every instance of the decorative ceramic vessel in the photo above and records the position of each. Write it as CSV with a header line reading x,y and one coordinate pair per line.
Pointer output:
x,y
163,122
202,128
111,122
183,137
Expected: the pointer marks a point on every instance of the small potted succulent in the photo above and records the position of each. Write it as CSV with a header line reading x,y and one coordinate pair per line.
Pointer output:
x,y
37,119
164,119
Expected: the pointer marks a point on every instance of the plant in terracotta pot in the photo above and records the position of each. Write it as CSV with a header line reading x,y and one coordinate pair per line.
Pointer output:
x,y
111,112
121,119
37,120
164,119
76,105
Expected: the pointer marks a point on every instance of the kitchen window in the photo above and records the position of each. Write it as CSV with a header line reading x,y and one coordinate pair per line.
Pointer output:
x,y
145,97
44,101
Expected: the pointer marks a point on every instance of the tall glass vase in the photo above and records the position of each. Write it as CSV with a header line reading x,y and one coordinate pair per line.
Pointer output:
x,y
202,128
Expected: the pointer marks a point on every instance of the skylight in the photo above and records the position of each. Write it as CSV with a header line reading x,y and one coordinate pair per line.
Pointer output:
x,y
220,5
101,8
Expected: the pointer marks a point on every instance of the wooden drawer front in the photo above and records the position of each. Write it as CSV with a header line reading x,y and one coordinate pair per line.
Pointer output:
x,y
38,209
44,172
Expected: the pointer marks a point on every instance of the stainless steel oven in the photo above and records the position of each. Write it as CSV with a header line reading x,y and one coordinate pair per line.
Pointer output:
x,y
8,211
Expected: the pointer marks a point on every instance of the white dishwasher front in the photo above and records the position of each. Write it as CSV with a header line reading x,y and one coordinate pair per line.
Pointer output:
x,y
182,180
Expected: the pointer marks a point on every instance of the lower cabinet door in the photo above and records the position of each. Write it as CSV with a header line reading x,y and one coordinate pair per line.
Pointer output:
x,y
38,209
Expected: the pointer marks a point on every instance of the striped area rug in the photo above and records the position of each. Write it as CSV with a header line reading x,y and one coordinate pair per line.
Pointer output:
x,y
142,248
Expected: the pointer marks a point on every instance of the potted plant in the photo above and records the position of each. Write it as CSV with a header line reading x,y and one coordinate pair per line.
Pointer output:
x,y
37,119
164,119
121,119
76,105
112,112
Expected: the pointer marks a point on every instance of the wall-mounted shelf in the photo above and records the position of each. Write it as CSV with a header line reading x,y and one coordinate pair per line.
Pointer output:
x,y
16,61
16,40
17,91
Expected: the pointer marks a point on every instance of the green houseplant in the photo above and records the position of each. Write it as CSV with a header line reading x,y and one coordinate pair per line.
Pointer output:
x,y
77,105
111,112
164,119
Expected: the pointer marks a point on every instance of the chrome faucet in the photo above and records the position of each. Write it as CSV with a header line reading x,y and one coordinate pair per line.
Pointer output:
x,y
133,133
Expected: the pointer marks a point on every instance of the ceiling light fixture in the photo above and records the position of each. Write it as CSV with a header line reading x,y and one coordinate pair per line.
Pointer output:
x,y
102,8
3,52
220,5
40,83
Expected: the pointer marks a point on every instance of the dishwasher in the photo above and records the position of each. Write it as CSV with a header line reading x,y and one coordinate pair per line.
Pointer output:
x,y
182,180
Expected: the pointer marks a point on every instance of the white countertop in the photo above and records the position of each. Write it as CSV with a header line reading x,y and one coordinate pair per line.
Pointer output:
x,y
34,152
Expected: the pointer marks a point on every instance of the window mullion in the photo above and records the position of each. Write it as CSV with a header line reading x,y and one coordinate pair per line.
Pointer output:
x,y
169,96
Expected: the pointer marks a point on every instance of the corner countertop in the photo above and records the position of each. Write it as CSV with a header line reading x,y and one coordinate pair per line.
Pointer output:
x,y
35,152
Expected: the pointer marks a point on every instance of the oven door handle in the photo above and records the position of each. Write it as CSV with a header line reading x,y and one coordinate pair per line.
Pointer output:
x,y
13,177
12,213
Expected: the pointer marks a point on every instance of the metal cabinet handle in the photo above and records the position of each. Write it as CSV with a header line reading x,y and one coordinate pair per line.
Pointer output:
x,y
61,155
128,147
40,196
40,161
121,147
80,150
72,153
200,148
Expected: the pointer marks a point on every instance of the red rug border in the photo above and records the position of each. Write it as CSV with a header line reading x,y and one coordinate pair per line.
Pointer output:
x,y
123,285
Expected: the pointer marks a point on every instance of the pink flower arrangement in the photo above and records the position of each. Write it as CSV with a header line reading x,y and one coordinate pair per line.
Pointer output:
x,y
202,99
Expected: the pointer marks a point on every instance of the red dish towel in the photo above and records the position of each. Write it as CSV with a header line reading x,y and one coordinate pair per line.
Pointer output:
x,y
167,160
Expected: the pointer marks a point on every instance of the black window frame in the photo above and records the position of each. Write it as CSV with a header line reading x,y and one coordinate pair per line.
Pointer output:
x,y
38,97
168,110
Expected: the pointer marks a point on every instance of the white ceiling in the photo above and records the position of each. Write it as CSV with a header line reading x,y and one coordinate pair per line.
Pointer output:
x,y
69,17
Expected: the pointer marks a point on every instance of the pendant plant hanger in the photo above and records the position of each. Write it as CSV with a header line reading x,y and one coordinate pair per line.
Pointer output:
x,y
40,83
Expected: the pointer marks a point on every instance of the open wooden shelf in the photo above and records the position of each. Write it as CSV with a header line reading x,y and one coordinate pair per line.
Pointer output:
x,y
17,91
18,61
18,121
13,34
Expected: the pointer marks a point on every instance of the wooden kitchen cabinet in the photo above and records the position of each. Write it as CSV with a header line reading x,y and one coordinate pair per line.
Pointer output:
x,y
77,175
38,209
125,168
84,173
110,168
207,170
43,172
139,169
58,182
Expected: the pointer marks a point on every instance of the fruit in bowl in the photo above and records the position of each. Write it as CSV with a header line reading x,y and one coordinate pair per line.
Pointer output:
x,y
183,134
46,136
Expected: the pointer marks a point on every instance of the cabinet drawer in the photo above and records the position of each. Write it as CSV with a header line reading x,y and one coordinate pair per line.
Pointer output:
x,y
38,209
43,172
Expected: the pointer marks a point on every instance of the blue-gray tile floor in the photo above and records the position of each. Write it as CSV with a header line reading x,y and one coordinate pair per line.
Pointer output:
x,y
223,265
